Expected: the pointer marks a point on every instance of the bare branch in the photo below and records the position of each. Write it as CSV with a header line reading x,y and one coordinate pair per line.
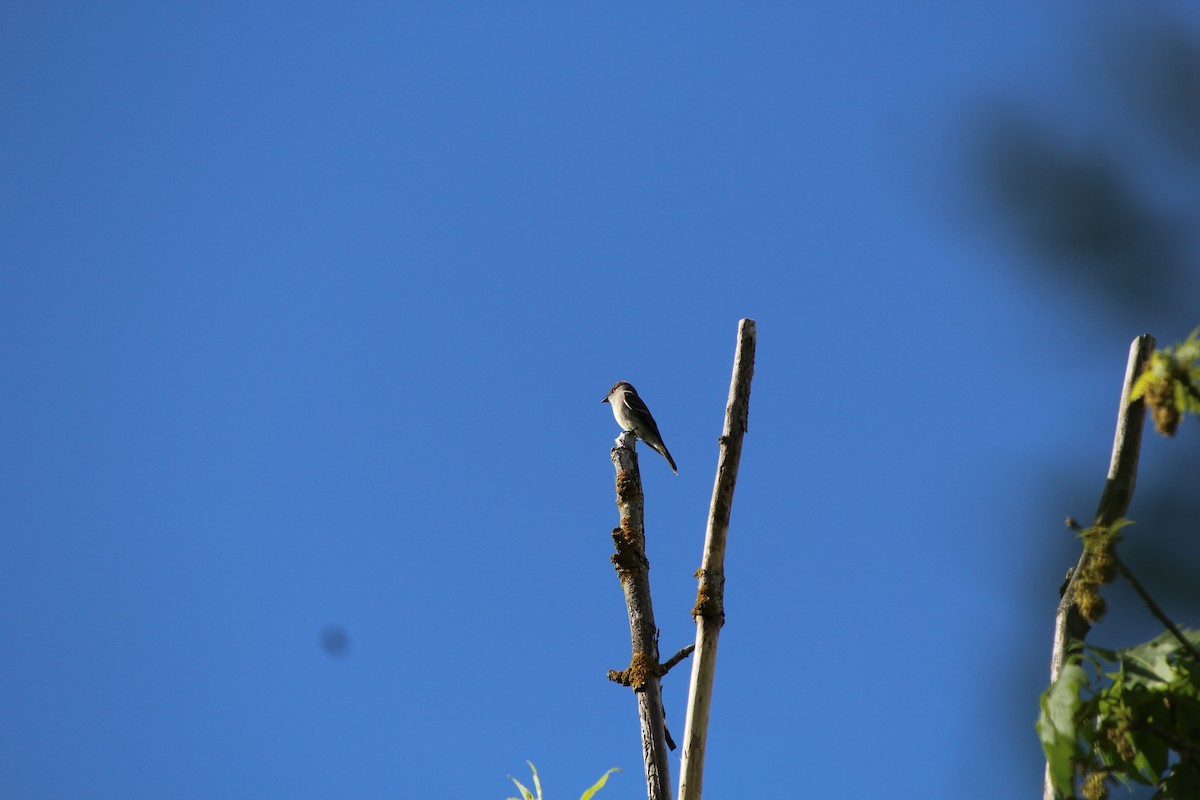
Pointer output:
x,y
1070,627
633,570
1069,624
710,599
675,659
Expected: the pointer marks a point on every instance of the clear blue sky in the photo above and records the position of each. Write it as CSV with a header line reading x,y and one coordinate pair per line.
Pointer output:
x,y
307,310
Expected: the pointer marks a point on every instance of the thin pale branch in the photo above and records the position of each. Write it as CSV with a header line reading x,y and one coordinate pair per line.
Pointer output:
x,y
710,599
1069,624
1070,627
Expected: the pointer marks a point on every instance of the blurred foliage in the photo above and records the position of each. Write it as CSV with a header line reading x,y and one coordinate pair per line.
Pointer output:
x,y
1083,215
1104,188
1171,384
1100,191
335,641
1097,569
1133,718
1136,717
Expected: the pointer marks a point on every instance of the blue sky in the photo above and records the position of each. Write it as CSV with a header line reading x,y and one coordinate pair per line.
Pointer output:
x,y
307,313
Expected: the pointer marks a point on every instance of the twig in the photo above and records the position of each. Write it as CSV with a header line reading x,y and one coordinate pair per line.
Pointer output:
x,y
675,659
1156,611
710,599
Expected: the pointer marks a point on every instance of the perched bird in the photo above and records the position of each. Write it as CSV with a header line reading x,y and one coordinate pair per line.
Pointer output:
x,y
633,416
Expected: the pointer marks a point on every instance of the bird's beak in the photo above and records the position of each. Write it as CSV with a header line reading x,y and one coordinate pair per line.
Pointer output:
x,y
605,400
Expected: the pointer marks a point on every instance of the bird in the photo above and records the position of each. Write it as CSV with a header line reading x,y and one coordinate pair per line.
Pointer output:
x,y
633,416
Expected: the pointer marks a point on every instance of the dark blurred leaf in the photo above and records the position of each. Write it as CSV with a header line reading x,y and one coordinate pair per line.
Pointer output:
x,y
335,641
1081,213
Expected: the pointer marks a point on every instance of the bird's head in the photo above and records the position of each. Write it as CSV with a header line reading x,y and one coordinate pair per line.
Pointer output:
x,y
619,386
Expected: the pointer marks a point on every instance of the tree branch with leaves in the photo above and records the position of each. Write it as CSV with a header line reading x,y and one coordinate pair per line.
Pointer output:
x,y
1130,715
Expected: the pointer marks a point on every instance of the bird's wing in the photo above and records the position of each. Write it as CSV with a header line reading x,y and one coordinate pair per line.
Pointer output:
x,y
636,405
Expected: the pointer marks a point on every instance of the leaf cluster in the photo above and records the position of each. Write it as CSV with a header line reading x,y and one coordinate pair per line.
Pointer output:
x,y
537,785
1133,717
1098,568
1171,384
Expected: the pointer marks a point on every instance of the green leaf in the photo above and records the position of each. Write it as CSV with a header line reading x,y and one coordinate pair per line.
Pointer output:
x,y
1101,653
525,793
1149,664
1192,635
1189,351
1056,727
1150,755
1182,784
1186,690
1142,383
537,783
599,784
